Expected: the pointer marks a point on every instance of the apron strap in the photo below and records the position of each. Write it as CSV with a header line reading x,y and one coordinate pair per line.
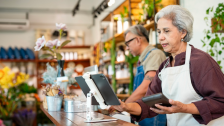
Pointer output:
x,y
188,55
148,54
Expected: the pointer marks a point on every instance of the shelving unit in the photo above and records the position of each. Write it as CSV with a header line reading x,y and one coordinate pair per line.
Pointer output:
x,y
134,10
83,62
123,80
17,60
38,62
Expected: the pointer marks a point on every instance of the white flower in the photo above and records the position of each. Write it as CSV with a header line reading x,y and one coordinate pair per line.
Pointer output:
x,y
61,26
39,43
56,42
49,44
53,43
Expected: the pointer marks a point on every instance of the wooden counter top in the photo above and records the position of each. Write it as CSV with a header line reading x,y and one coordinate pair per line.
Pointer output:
x,y
61,118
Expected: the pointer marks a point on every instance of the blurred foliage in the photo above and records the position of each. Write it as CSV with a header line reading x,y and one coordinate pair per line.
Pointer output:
x,y
8,102
214,39
131,61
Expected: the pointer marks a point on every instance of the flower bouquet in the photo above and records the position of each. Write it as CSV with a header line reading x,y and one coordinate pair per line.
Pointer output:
x,y
10,96
53,99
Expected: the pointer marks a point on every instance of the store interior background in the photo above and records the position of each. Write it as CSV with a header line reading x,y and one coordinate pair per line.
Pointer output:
x,y
43,14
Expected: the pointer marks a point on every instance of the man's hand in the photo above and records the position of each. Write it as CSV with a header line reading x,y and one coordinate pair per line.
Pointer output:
x,y
111,109
177,107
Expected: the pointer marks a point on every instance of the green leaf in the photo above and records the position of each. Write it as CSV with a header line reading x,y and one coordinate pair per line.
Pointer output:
x,y
212,42
219,62
45,55
206,19
207,11
59,56
202,41
204,45
51,50
3,111
157,1
211,52
105,49
208,37
64,43
220,52
126,10
211,9
222,48
208,32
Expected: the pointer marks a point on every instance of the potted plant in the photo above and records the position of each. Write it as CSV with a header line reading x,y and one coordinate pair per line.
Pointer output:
x,y
148,8
53,49
214,38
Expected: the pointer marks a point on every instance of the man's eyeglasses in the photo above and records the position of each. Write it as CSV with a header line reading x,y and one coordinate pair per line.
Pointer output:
x,y
127,42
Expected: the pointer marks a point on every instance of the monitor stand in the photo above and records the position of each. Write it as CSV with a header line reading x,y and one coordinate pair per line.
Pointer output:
x,y
89,117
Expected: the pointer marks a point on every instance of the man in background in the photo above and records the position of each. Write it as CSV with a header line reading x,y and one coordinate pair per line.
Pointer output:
x,y
150,58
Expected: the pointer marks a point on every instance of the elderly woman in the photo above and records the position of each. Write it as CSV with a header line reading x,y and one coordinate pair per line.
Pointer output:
x,y
190,78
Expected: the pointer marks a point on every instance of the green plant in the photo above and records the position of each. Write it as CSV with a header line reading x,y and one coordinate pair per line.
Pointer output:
x,y
124,14
8,102
113,58
148,7
131,61
213,40
25,88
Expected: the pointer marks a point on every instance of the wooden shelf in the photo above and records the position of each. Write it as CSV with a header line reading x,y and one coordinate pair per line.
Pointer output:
x,y
149,26
17,60
106,61
120,37
134,6
73,47
123,95
79,60
123,80
116,62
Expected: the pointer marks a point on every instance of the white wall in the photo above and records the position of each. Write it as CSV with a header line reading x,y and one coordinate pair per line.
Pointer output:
x,y
17,39
198,10
43,15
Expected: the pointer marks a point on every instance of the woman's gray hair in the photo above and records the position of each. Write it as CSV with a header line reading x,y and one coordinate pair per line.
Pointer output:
x,y
138,30
181,18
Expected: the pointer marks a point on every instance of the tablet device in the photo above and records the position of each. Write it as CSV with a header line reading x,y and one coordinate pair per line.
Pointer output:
x,y
158,98
103,86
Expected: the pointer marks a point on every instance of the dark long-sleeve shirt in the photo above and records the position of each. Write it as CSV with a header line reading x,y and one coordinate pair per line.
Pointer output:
x,y
207,80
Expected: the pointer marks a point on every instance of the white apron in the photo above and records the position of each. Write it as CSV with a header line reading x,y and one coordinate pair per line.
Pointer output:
x,y
176,85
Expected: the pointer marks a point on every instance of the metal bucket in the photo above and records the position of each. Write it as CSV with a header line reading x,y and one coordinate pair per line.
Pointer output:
x,y
54,103
74,106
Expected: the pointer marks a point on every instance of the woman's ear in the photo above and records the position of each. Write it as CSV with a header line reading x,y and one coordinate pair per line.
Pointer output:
x,y
184,33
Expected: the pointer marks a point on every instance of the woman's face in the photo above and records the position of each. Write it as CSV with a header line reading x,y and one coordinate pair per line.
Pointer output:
x,y
169,36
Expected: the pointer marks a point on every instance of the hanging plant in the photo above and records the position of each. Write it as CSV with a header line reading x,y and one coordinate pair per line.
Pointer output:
x,y
214,38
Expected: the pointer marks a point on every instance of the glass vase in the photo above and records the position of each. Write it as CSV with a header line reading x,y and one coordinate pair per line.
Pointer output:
x,y
60,68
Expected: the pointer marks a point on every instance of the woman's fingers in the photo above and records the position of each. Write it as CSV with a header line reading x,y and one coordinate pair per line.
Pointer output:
x,y
158,111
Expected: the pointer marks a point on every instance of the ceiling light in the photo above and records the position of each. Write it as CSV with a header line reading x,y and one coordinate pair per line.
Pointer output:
x,y
95,16
111,2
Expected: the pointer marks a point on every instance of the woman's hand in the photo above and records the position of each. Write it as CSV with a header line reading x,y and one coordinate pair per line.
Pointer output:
x,y
176,107
120,107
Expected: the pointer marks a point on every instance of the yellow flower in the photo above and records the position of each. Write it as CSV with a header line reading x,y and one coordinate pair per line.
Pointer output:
x,y
9,79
